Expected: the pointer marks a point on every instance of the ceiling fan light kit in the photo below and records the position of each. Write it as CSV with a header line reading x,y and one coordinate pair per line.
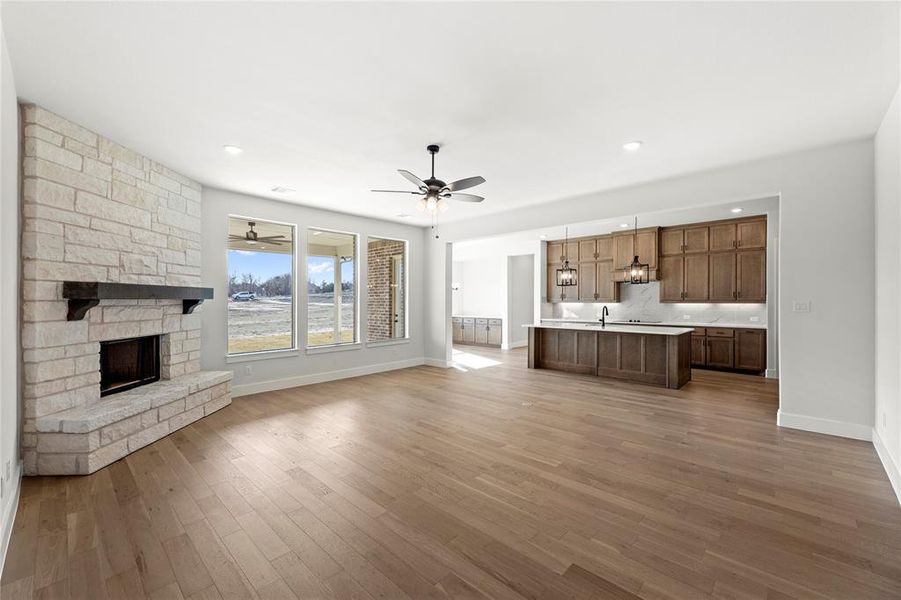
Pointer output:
x,y
434,193
252,238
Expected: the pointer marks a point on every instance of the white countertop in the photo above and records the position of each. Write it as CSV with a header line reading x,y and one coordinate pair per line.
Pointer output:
x,y
595,326
664,323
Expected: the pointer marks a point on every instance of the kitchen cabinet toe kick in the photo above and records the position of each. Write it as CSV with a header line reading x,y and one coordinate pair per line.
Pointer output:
x,y
653,359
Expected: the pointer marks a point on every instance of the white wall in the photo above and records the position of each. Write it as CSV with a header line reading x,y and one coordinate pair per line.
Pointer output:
x,y
482,287
9,297
521,285
301,368
887,435
826,257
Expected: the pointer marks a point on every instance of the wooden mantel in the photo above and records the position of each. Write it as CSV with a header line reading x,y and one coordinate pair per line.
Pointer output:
x,y
84,295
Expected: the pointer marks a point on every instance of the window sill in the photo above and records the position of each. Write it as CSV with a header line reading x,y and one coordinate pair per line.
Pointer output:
x,y
396,342
263,355
334,348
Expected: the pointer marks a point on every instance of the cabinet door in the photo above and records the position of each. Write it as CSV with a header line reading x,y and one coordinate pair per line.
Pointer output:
x,y
606,282
750,349
553,290
587,278
696,287
720,352
751,276
469,333
587,251
494,334
722,277
604,247
671,242
672,276
571,251
481,327
554,253
646,247
623,251
722,237
698,351
458,332
751,234
697,239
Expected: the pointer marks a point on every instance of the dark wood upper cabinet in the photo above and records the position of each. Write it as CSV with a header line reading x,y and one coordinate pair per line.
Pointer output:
x,y
587,250
723,237
751,235
696,239
722,277
606,281
696,286
604,247
587,278
672,278
671,242
751,276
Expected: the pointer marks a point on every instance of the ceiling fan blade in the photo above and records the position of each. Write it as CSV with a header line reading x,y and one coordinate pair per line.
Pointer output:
x,y
396,192
463,197
463,184
269,238
412,178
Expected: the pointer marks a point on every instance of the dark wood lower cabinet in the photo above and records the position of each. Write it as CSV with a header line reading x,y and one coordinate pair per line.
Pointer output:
x,y
698,351
729,348
750,349
720,352
663,360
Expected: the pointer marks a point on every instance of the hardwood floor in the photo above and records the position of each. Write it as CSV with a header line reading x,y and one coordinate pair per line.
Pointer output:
x,y
490,481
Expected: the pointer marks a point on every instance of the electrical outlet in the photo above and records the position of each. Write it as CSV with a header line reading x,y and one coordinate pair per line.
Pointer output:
x,y
686,317
248,369
755,319
801,306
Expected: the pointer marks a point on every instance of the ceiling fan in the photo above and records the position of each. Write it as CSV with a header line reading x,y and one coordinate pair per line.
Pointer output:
x,y
252,237
434,192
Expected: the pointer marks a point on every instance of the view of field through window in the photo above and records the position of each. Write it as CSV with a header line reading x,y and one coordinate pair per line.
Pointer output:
x,y
331,266
260,286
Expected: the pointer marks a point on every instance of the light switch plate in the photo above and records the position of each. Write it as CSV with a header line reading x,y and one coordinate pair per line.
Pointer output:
x,y
755,319
801,306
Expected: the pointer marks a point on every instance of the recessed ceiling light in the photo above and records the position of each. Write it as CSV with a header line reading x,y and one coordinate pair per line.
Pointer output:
x,y
403,216
232,149
736,210
283,190
633,146
623,225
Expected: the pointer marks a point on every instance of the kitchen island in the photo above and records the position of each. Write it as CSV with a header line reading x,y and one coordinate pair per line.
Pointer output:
x,y
658,356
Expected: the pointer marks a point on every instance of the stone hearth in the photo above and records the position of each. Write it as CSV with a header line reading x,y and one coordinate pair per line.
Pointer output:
x,y
94,211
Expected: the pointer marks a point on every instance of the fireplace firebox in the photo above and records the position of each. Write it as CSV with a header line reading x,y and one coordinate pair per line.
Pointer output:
x,y
127,364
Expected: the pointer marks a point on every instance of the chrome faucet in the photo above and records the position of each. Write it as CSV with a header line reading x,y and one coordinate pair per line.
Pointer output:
x,y
604,313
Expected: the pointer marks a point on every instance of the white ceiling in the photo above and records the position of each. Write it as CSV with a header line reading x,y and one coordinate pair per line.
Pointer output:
x,y
330,99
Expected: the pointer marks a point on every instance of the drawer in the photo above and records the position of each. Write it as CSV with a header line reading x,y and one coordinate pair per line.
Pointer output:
x,y
481,321
456,319
468,320
720,332
495,321
699,331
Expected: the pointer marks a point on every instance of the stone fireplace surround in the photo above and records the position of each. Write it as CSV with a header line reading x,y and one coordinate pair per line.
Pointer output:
x,y
96,211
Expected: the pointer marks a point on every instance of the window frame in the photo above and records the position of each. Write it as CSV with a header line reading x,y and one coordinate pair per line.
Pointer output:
x,y
334,346
406,338
295,321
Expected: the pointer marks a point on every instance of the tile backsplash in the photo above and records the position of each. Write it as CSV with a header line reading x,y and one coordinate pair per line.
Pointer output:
x,y
643,302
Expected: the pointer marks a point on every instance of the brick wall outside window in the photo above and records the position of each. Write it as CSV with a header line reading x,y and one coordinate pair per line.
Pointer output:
x,y
381,317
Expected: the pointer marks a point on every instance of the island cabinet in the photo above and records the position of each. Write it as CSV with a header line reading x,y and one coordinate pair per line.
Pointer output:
x,y
662,360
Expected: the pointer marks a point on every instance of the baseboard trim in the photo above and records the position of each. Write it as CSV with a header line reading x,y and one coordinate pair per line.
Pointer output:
x,y
771,374
888,463
434,362
9,514
854,431
290,382
518,344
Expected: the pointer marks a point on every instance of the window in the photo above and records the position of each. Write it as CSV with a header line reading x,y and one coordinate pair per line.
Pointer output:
x,y
260,286
331,288
387,264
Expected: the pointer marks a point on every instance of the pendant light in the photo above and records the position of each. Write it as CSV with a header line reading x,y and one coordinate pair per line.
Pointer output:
x,y
637,272
566,275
